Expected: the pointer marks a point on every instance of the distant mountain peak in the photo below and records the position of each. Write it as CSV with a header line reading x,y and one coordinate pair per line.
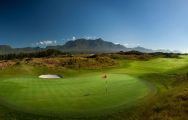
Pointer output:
x,y
90,45
81,45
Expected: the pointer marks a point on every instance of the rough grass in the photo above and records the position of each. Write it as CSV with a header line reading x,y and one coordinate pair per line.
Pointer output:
x,y
170,105
5,64
76,62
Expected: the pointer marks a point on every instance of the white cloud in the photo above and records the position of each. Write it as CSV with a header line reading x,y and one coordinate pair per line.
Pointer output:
x,y
90,37
46,43
126,44
73,38
138,45
85,37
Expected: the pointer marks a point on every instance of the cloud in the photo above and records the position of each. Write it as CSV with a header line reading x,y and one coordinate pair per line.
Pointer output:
x,y
138,45
46,43
73,38
84,37
90,37
126,44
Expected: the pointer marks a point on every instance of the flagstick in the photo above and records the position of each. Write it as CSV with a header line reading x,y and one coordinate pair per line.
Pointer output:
x,y
106,87
105,81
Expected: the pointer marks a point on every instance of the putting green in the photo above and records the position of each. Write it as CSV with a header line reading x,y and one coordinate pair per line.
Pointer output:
x,y
72,96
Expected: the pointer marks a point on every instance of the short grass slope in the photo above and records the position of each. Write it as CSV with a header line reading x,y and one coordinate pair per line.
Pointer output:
x,y
84,95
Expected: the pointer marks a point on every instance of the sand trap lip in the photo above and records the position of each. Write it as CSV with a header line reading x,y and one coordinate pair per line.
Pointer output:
x,y
49,76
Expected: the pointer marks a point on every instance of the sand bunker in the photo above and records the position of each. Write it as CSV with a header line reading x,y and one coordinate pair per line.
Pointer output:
x,y
49,76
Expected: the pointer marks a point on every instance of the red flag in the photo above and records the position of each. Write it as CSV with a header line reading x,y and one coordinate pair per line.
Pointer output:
x,y
104,77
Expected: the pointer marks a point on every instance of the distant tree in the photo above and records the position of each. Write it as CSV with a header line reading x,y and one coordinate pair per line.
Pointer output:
x,y
133,52
47,53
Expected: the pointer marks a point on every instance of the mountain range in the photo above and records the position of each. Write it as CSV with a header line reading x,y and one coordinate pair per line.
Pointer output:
x,y
80,46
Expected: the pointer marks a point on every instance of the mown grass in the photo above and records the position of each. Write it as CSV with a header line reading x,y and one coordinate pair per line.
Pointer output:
x,y
84,95
79,95
159,74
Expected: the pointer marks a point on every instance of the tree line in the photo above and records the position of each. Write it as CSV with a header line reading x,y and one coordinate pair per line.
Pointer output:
x,y
39,54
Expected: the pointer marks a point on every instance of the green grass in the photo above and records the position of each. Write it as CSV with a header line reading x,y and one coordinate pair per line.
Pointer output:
x,y
75,96
81,93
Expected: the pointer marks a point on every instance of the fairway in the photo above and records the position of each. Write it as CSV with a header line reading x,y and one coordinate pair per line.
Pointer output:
x,y
78,96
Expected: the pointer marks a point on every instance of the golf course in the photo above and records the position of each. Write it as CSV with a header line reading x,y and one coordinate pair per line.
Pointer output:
x,y
93,60
83,93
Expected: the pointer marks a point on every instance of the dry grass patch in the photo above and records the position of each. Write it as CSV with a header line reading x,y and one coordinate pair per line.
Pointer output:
x,y
75,62
173,105
4,64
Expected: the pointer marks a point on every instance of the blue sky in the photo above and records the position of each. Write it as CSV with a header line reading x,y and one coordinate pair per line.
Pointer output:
x,y
156,24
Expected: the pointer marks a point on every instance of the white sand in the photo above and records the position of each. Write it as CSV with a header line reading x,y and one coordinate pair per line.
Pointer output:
x,y
49,76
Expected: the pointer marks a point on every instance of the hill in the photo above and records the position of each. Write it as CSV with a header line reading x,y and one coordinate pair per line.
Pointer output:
x,y
89,46
80,46
5,49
